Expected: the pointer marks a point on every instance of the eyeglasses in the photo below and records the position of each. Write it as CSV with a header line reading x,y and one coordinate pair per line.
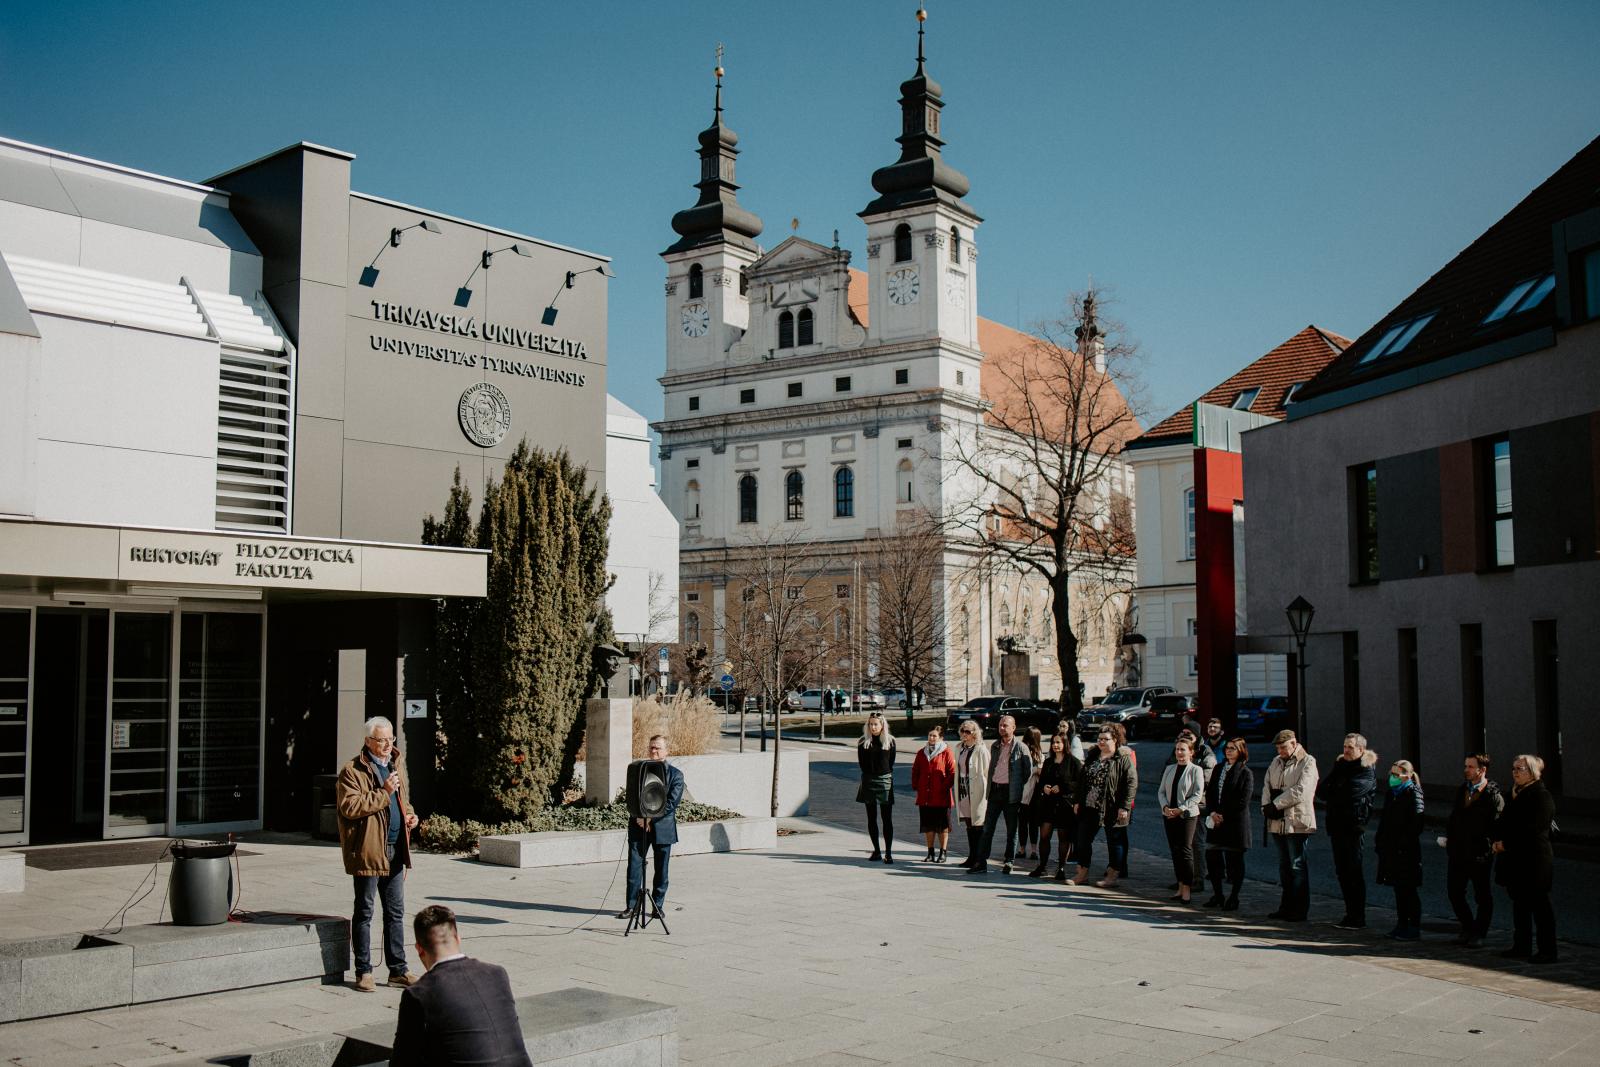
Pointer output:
x,y
381,740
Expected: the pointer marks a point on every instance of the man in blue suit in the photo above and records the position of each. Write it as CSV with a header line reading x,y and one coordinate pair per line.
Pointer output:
x,y
661,833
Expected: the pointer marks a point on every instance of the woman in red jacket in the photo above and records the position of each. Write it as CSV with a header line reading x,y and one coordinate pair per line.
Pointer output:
x,y
933,777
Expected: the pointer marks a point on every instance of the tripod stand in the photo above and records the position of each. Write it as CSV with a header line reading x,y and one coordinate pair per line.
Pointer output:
x,y
638,918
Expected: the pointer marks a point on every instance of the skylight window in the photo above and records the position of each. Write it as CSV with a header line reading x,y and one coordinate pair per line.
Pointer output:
x,y
1247,397
1398,337
1289,393
1524,296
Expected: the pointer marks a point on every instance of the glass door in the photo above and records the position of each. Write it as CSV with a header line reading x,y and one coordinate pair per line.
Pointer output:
x,y
219,720
141,700
16,653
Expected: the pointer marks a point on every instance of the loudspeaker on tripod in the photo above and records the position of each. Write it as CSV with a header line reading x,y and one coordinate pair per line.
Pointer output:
x,y
647,788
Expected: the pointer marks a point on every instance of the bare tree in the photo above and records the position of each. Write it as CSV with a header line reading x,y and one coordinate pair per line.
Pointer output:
x,y
661,607
775,629
907,629
1038,470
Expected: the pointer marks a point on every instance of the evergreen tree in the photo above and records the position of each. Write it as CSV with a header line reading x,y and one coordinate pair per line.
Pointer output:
x,y
519,667
453,620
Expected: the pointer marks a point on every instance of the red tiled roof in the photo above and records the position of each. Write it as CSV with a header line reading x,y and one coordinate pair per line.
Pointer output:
x,y
1007,350
1299,359
1466,289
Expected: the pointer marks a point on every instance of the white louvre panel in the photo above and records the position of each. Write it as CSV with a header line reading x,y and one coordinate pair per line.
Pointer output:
x,y
255,404
79,292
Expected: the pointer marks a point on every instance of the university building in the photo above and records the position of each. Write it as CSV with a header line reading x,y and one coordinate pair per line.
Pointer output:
x,y
225,409
809,400
1434,494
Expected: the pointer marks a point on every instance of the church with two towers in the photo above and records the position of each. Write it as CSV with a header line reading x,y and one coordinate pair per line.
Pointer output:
x,y
812,402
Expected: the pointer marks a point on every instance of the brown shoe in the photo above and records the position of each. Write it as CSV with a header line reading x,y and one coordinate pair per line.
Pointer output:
x,y
365,983
403,980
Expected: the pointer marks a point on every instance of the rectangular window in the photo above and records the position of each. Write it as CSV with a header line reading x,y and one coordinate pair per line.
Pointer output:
x,y
841,385
1188,524
219,716
842,592
1246,397
961,377
1524,296
1352,682
1410,697
902,442
796,389
1364,522
694,403
1289,393
1497,507
692,464
693,598
747,396
1397,337
1591,283
1194,660
902,376
747,594
792,592
1473,737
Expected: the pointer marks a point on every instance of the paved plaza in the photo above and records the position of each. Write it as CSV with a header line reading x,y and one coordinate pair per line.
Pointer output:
x,y
807,954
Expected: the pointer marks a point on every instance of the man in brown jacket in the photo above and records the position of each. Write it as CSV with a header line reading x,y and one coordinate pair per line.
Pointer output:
x,y
375,821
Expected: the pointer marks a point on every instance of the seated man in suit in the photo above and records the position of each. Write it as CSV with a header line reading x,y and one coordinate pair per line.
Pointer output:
x,y
661,832
461,1011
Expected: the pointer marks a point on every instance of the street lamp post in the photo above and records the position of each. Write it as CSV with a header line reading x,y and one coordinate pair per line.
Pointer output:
x,y
1300,613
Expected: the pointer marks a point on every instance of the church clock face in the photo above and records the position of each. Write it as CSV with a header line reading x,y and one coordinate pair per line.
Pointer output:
x,y
955,290
904,285
694,320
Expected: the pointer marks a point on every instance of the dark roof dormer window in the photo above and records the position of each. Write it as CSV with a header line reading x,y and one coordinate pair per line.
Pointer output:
x,y
1397,337
1245,398
1524,296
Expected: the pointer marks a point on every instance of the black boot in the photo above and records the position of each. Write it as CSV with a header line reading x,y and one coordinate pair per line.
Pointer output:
x,y
1232,903
941,857
875,857
929,858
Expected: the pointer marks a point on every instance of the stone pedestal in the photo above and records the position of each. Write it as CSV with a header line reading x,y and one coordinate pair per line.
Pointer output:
x,y
608,737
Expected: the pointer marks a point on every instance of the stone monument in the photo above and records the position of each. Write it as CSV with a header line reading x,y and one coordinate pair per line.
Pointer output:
x,y
608,728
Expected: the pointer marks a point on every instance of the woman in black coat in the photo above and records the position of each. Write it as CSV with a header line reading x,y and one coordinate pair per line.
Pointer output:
x,y
875,756
1228,802
1052,803
1527,863
1399,845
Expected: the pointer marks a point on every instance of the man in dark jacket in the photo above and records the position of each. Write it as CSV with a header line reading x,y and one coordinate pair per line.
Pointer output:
x,y
461,1011
1467,844
658,835
1347,792
1010,767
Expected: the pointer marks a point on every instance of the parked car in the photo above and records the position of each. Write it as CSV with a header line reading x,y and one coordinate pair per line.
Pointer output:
x,y
806,700
1168,712
868,700
986,712
1130,706
1264,715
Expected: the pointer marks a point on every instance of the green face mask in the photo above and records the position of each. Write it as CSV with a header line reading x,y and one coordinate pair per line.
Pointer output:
x,y
1395,781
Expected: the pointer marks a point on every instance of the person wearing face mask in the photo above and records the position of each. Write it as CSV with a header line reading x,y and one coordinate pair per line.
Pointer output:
x,y
1469,848
1399,846
972,789
933,778
1527,862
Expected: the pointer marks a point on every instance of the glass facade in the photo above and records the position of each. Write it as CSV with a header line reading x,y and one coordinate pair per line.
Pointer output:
x,y
219,718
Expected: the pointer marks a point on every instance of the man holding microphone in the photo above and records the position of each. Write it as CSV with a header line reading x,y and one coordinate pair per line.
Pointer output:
x,y
375,821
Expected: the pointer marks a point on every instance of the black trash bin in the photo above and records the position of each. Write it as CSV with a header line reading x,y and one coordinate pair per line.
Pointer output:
x,y
200,889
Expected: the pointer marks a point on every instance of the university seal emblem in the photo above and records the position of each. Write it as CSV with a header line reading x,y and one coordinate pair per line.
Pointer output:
x,y
485,414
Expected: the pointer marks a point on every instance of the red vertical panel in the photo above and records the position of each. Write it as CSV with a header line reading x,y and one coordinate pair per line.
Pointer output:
x,y
1460,508
1218,484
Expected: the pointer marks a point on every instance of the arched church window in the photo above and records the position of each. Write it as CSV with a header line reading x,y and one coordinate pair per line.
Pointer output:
x,y
844,493
1005,618
691,500
806,331
794,495
747,498
744,283
786,330
697,282
902,243
955,245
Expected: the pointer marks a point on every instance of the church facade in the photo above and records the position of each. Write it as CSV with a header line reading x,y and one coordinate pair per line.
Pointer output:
x,y
812,403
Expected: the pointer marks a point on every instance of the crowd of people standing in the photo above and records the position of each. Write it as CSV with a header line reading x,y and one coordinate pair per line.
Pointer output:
x,y
1057,796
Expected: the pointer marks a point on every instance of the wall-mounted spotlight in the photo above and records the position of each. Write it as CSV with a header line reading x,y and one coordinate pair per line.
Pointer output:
x,y
549,316
464,294
369,273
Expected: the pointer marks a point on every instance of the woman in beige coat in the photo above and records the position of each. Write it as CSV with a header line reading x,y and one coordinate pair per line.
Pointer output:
x,y
972,789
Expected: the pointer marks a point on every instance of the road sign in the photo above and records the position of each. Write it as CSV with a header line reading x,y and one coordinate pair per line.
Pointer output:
x,y
662,660
726,681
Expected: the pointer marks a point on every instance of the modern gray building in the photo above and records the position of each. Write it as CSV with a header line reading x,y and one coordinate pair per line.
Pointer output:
x,y
225,409
1435,495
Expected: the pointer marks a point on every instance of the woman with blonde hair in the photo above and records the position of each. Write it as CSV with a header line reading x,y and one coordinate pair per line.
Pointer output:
x,y
972,789
1399,847
875,756
1028,823
1526,866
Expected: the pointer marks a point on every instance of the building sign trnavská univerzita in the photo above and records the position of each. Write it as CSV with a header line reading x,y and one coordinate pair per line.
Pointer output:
x,y
494,333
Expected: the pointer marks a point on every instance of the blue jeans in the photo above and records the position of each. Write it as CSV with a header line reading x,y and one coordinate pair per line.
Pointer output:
x,y
1293,876
392,888
637,843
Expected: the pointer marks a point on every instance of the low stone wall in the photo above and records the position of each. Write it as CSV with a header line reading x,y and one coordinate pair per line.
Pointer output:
x,y
568,1026
13,868
86,972
558,848
742,781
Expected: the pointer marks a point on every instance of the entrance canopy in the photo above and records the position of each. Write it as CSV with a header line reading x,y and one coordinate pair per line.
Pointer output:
x,y
69,561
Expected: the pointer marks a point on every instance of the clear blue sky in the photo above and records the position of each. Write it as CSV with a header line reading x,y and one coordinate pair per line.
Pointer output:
x,y
1231,171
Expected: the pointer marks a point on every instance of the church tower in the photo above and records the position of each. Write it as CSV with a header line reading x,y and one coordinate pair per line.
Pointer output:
x,y
706,302
921,260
